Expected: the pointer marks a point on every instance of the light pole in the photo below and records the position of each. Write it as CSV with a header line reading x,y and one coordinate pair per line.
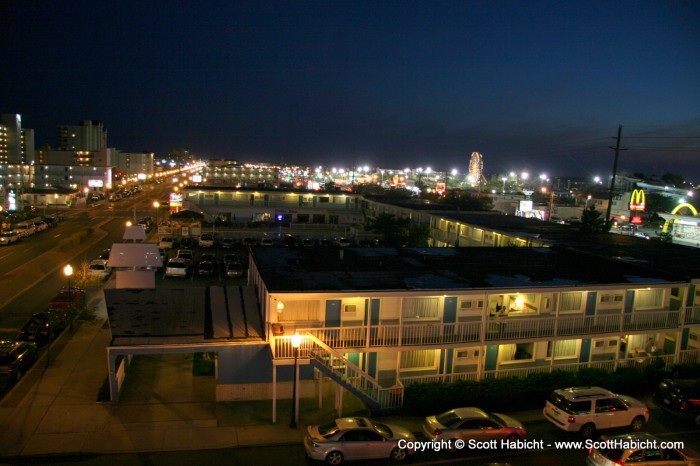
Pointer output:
x,y
296,343
156,204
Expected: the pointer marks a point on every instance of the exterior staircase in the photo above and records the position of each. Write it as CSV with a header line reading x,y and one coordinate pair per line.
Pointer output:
x,y
332,363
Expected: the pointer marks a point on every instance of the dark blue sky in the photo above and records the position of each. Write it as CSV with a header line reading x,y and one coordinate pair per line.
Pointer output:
x,y
532,85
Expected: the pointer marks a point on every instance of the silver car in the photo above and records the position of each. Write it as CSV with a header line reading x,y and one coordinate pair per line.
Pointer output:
x,y
357,438
472,424
639,449
7,237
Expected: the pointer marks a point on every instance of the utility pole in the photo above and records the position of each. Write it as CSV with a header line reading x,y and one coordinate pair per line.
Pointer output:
x,y
614,175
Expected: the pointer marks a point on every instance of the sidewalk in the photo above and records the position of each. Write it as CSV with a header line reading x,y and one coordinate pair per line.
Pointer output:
x,y
54,409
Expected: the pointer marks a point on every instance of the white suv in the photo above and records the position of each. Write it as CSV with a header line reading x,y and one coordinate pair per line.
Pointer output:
x,y
587,409
206,240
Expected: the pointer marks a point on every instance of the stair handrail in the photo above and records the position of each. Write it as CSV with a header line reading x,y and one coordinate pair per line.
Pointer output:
x,y
335,353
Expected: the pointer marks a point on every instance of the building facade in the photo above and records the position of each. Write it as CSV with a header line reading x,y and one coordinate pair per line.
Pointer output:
x,y
376,321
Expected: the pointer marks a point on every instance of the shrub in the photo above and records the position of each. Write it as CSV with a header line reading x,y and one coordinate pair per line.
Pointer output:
x,y
505,394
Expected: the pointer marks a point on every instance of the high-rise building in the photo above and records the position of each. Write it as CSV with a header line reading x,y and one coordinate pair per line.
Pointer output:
x,y
16,143
90,135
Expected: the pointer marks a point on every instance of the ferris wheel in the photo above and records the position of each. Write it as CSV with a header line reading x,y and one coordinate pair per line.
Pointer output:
x,y
476,169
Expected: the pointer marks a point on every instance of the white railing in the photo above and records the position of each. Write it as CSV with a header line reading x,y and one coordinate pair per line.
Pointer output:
x,y
573,367
520,327
448,378
353,376
645,361
692,315
651,320
509,328
689,357
586,325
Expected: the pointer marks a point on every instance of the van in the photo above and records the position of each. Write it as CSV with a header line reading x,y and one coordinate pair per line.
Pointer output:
x,y
25,229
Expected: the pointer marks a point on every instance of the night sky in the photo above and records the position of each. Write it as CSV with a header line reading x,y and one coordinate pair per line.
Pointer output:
x,y
533,85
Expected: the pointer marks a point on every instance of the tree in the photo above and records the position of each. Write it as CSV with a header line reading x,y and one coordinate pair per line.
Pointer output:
x,y
467,201
396,231
675,180
592,221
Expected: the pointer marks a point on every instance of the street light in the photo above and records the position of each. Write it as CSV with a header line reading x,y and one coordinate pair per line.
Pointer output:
x,y
68,271
296,343
156,204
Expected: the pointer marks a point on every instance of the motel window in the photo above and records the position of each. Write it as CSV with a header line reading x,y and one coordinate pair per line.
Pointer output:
x,y
419,360
299,311
517,352
570,302
648,299
420,308
563,349
610,298
469,305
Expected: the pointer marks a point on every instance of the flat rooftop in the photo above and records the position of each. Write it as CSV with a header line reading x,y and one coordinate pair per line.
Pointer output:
x,y
183,315
385,269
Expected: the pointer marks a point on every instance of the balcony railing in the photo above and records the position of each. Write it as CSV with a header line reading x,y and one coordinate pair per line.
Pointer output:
x,y
692,315
509,328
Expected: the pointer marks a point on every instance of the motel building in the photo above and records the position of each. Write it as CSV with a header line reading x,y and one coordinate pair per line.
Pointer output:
x,y
373,321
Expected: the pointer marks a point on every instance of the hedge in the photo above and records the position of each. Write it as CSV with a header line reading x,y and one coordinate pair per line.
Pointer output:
x,y
515,393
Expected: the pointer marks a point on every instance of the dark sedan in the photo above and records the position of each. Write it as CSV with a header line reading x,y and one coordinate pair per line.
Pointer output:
x,y
206,269
680,397
42,327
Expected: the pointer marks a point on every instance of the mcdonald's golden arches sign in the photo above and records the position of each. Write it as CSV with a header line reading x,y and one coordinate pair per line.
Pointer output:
x,y
637,200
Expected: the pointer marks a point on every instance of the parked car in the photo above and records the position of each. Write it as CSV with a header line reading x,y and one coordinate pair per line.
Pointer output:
x,y
25,229
185,255
8,237
356,438
167,242
228,243
188,242
234,270
228,258
472,423
41,226
42,327
53,221
267,242
206,240
249,241
104,255
99,268
16,357
206,269
177,268
680,397
639,448
208,257
342,242
588,409
68,302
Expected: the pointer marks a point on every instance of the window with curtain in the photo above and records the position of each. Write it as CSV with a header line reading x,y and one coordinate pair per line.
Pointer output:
x,y
562,349
648,299
299,311
517,352
420,308
420,359
570,301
